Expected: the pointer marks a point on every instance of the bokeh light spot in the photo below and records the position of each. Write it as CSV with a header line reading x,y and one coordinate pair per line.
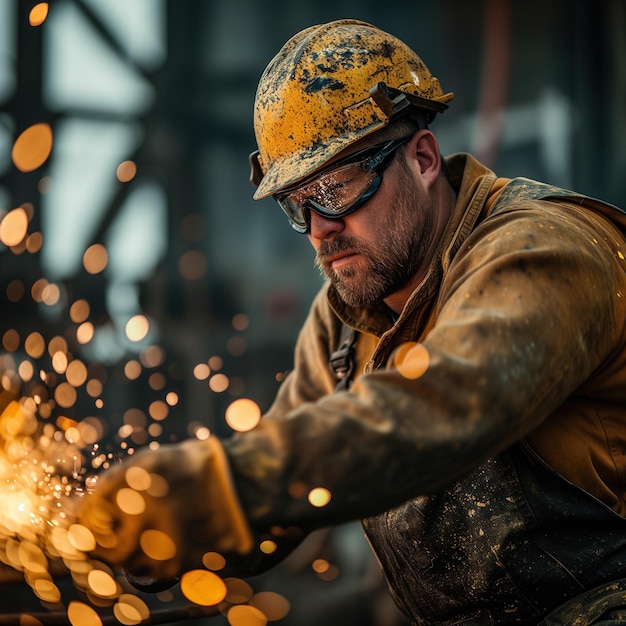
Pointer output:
x,y
38,14
152,356
158,410
243,615
51,294
219,383
85,332
127,614
137,327
271,604
32,148
330,574
243,414
59,362
13,227
46,590
26,370
34,242
65,395
15,290
157,381
79,311
157,545
95,258
57,344
159,487
132,369
138,478
203,587
130,501
216,362
32,557
240,321
35,345
94,387
76,373
213,561
412,360
239,591
192,265
126,171
102,583
319,496
131,610
201,371
11,340
81,538
80,614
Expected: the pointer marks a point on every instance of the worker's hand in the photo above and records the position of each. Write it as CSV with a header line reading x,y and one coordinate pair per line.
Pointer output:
x,y
161,510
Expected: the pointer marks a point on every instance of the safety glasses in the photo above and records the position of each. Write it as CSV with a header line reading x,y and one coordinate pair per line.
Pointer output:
x,y
341,189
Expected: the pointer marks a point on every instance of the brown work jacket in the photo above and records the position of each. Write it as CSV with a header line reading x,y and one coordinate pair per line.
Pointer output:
x,y
516,334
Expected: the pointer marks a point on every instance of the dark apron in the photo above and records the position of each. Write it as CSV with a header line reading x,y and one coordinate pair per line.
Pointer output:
x,y
509,544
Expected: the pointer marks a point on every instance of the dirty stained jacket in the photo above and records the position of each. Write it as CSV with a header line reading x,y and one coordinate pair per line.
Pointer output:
x,y
483,440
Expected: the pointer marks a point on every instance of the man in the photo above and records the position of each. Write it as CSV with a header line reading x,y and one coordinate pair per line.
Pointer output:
x,y
482,440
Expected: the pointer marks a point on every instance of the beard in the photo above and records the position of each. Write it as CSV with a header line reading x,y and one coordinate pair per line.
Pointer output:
x,y
387,264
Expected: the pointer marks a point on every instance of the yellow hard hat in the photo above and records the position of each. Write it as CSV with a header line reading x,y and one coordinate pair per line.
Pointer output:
x,y
329,86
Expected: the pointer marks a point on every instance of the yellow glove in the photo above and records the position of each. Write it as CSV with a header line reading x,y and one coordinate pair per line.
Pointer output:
x,y
161,510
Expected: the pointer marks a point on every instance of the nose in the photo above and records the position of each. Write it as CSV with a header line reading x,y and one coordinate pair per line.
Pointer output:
x,y
324,227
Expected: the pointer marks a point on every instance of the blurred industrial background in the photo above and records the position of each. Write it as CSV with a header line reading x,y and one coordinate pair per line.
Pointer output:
x,y
142,206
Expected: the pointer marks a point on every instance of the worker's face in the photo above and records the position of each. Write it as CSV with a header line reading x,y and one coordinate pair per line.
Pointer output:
x,y
377,250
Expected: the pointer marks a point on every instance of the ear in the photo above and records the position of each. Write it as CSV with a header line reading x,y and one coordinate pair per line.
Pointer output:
x,y
427,157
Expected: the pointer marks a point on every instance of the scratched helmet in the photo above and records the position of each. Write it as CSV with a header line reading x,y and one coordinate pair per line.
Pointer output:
x,y
328,87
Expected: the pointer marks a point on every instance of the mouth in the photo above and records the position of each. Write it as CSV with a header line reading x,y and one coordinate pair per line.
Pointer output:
x,y
338,261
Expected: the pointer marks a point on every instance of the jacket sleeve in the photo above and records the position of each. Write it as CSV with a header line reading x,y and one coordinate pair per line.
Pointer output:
x,y
311,377
531,305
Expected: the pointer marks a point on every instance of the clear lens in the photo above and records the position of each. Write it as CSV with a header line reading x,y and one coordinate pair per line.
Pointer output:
x,y
332,194
337,190
341,190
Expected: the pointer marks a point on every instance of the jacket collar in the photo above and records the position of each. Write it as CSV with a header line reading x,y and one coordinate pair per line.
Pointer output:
x,y
472,182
